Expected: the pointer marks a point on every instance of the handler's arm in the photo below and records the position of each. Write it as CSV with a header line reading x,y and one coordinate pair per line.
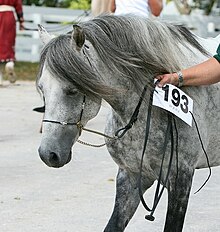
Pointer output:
x,y
156,6
206,73
113,6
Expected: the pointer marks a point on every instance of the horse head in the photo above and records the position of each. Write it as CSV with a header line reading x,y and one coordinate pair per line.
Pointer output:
x,y
67,109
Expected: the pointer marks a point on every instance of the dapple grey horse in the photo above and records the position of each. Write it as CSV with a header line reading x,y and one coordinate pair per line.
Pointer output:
x,y
113,58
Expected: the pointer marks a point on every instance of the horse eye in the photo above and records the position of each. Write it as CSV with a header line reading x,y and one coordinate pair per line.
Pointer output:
x,y
71,92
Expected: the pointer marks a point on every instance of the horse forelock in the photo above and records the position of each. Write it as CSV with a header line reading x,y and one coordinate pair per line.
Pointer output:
x,y
130,47
65,63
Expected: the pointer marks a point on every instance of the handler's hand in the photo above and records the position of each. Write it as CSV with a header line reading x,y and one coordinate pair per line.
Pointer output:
x,y
169,78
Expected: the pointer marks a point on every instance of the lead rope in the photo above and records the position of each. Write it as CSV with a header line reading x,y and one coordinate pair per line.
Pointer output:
x,y
89,144
169,131
206,155
80,126
147,129
177,152
158,192
121,132
94,132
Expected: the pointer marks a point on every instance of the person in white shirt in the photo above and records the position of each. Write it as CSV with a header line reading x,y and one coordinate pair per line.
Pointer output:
x,y
139,7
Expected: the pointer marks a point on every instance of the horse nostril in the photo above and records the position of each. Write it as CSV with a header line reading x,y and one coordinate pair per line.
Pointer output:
x,y
54,159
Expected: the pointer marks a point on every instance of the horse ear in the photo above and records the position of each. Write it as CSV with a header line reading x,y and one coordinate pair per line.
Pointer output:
x,y
78,36
44,35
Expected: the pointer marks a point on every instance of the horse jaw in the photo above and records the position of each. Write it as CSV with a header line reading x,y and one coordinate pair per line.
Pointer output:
x,y
44,35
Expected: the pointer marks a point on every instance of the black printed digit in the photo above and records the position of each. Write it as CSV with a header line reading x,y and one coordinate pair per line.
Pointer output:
x,y
166,90
176,97
184,106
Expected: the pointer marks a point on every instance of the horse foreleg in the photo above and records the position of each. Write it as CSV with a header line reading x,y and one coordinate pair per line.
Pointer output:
x,y
126,201
178,196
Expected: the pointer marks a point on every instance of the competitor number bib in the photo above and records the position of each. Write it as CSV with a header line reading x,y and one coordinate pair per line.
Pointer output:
x,y
173,99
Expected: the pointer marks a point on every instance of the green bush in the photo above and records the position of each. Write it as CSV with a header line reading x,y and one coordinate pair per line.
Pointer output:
x,y
80,4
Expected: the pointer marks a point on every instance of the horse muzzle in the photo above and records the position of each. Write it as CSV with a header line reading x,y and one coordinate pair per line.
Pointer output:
x,y
53,159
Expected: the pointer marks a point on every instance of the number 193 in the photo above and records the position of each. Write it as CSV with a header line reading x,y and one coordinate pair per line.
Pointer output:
x,y
177,98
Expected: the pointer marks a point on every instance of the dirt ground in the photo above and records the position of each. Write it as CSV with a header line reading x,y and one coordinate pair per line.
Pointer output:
x,y
78,197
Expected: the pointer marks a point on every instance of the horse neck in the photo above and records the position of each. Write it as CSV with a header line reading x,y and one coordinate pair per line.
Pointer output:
x,y
125,98
124,105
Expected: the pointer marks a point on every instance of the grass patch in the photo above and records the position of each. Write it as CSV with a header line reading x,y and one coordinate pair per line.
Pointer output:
x,y
26,70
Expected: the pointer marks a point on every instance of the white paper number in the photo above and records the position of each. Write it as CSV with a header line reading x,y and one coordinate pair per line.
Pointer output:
x,y
174,100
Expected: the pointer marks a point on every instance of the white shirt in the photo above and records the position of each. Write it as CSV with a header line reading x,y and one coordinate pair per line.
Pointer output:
x,y
138,7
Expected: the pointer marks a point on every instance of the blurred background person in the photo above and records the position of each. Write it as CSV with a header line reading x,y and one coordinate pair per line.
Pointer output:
x,y
8,34
101,6
144,8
